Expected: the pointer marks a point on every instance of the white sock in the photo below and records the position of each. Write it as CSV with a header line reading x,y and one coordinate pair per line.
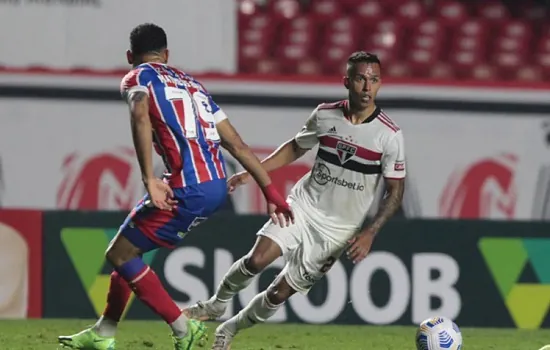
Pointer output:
x,y
235,280
179,326
258,310
105,327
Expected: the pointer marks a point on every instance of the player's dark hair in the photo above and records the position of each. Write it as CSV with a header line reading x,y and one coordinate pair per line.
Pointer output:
x,y
362,57
147,38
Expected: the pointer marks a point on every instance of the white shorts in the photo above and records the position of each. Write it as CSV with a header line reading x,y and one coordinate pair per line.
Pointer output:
x,y
308,253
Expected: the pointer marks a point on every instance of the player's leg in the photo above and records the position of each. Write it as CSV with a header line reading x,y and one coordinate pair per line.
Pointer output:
x,y
124,253
272,242
308,263
259,310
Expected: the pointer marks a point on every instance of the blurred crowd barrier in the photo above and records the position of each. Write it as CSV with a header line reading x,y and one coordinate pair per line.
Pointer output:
x,y
473,152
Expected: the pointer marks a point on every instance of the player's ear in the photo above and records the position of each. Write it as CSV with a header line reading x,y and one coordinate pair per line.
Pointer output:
x,y
165,55
129,57
345,80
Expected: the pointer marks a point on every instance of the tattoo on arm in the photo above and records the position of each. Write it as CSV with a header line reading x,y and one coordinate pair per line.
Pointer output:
x,y
391,202
137,96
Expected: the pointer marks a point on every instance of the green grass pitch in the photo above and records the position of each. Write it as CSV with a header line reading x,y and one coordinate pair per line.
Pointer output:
x,y
147,335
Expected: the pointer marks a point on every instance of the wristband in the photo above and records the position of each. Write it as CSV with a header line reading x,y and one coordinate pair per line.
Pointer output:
x,y
271,193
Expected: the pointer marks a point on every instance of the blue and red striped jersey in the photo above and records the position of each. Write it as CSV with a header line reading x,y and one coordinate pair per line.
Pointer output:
x,y
184,118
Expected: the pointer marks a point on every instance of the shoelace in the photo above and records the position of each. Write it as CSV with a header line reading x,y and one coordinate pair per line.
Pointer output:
x,y
219,342
195,312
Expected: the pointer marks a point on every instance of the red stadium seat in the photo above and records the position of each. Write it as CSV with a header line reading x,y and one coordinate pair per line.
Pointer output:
x,y
369,10
325,9
443,71
333,59
483,72
529,74
511,47
492,11
289,56
410,11
487,39
385,40
424,50
452,12
342,32
284,9
309,67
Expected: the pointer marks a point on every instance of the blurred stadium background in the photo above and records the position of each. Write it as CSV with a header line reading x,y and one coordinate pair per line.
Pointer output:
x,y
467,81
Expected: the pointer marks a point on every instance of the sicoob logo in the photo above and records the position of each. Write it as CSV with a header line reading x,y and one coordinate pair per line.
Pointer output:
x,y
108,180
484,189
321,175
506,258
85,247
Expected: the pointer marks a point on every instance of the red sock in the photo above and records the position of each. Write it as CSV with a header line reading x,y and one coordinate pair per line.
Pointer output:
x,y
151,292
117,298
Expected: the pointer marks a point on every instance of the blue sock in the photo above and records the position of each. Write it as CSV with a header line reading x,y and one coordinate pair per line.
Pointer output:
x,y
131,269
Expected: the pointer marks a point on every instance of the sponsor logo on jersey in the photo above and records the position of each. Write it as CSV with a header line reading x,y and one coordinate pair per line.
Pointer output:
x,y
345,151
399,166
321,174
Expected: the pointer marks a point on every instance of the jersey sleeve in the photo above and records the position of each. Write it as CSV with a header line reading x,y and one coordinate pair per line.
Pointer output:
x,y
393,157
217,112
307,137
135,80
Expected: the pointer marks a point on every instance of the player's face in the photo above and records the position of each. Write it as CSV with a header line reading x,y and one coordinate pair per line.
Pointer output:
x,y
363,82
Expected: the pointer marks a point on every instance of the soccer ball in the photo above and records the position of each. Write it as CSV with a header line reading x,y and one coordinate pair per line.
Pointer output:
x,y
438,333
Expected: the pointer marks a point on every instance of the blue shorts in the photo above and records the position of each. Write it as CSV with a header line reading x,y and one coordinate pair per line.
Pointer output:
x,y
149,228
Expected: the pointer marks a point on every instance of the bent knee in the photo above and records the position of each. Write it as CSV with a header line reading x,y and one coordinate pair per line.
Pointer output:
x,y
256,262
264,252
120,251
279,291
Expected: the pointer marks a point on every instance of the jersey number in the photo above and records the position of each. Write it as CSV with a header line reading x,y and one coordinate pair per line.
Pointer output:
x,y
328,264
200,105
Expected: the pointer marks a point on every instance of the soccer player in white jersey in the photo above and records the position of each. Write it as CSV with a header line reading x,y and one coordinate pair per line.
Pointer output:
x,y
359,145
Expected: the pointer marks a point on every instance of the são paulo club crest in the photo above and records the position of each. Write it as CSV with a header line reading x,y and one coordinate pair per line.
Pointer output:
x,y
345,151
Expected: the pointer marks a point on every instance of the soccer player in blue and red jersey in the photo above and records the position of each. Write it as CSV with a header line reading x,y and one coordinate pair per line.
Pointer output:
x,y
172,111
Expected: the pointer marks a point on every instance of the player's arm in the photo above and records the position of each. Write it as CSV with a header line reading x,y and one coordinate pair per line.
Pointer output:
x,y
390,203
232,141
234,144
393,169
142,132
294,148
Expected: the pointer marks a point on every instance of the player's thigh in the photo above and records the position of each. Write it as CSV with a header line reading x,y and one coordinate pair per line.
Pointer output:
x,y
286,238
149,228
264,252
307,264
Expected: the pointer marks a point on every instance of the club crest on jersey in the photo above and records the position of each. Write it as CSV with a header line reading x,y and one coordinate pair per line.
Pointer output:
x,y
345,151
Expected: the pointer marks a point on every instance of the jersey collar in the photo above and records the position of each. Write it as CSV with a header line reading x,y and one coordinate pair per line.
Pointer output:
x,y
347,114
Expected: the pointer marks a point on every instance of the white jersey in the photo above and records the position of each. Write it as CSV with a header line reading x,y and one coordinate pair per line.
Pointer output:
x,y
341,187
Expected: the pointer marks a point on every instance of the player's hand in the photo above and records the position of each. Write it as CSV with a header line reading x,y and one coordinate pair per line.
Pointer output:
x,y
161,195
280,214
360,245
237,180
277,208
